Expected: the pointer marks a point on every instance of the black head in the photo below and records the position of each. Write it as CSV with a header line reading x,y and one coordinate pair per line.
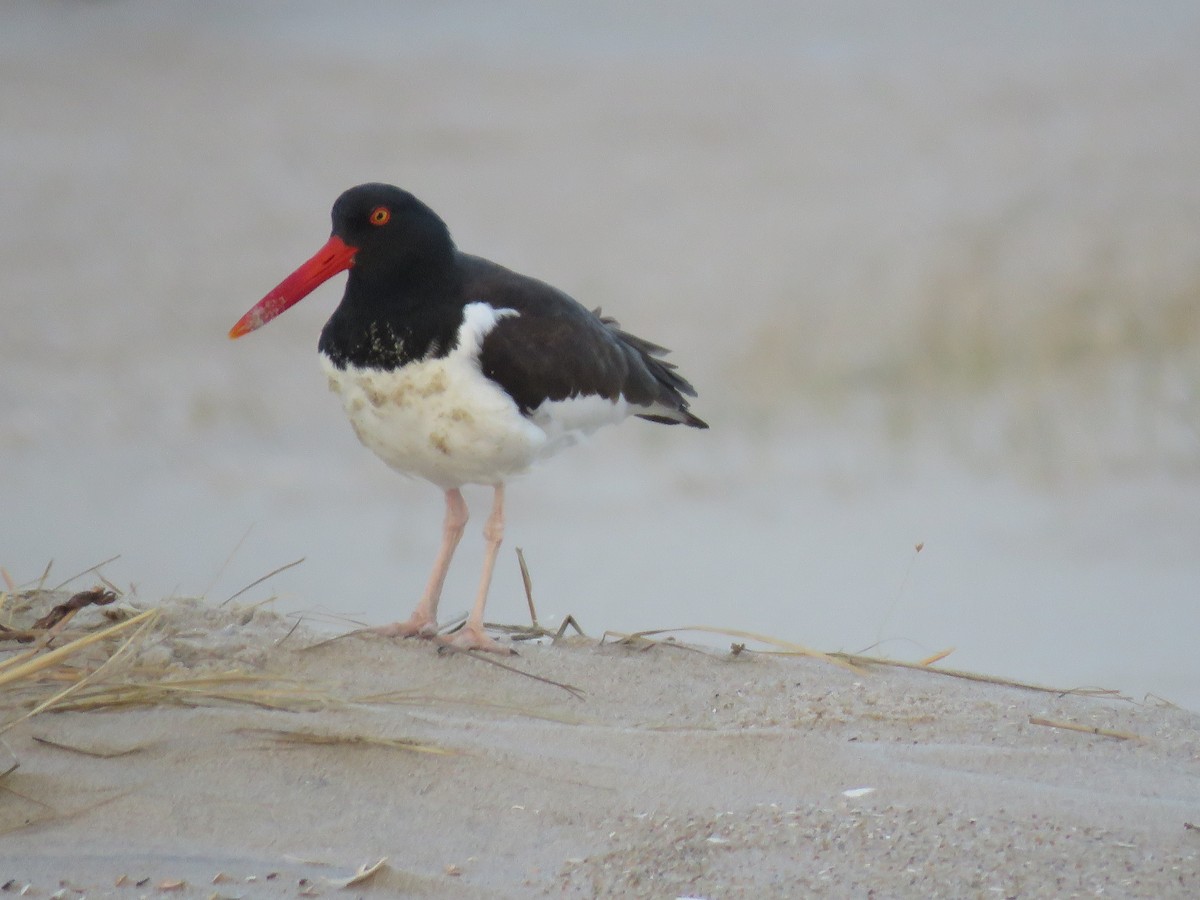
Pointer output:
x,y
392,243
394,233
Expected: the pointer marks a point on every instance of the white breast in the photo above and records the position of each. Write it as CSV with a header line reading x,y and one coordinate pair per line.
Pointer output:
x,y
444,421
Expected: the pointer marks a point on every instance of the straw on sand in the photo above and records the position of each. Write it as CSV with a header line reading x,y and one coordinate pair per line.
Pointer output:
x,y
98,686
26,666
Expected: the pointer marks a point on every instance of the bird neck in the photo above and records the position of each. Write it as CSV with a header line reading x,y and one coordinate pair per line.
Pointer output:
x,y
387,322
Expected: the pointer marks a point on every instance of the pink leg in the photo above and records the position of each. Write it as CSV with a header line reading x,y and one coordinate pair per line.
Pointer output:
x,y
423,621
471,636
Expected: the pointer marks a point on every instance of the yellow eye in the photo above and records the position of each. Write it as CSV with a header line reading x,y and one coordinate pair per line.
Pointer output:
x,y
380,215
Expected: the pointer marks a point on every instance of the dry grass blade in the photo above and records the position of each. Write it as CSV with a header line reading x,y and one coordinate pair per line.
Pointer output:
x,y
528,582
575,692
411,745
29,664
41,584
259,581
1086,729
786,648
50,814
290,632
20,657
146,620
935,658
228,560
234,687
883,623
88,570
330,640
569,622
534,632
870,661
408,698
642,643
95,754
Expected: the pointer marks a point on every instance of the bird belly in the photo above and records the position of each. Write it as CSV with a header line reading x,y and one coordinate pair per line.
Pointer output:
x,y
440,419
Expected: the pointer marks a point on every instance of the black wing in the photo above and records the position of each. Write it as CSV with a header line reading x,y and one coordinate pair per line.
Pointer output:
x,y
555,349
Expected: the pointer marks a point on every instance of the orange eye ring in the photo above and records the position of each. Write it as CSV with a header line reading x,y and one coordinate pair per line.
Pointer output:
x,y
379,215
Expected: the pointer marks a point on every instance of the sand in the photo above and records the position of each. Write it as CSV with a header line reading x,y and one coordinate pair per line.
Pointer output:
x,y
961,249
670,771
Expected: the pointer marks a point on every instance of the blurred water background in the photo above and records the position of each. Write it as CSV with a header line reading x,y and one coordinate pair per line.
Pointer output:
x,y
934,268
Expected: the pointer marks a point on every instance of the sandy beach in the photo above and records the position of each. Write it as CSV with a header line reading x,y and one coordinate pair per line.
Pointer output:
x,y
933,271
228,752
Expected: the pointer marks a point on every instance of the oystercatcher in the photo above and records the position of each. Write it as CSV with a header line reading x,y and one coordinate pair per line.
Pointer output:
x,y
460,371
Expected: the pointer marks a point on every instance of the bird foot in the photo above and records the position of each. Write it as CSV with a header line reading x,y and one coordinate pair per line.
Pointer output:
x,y
473,638
416,626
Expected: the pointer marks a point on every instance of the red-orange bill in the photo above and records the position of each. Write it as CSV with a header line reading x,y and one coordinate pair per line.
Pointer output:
x,y
336,256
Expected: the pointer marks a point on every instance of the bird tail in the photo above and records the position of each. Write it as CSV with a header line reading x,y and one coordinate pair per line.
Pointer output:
x,y
670,406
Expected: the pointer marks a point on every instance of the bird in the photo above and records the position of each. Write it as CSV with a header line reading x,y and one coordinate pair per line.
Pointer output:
x,y
457,370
